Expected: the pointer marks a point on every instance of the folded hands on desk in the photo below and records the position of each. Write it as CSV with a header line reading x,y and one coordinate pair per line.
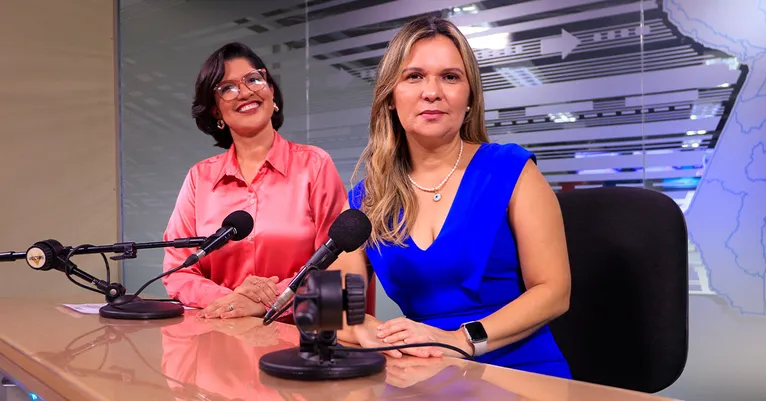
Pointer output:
x,y
249,299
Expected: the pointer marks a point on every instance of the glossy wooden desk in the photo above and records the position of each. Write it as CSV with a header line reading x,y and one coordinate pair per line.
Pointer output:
x,y
60,354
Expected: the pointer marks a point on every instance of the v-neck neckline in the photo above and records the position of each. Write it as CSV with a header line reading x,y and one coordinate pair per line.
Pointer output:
x,y
452,206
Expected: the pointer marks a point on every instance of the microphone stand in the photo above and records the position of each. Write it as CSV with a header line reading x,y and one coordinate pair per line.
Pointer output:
x,y
132,307
50,254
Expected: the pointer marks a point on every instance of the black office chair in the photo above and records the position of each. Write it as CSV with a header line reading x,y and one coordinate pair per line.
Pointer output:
x,y
627,325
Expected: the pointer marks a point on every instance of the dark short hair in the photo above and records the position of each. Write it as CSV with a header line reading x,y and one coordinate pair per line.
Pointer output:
x,y
210,75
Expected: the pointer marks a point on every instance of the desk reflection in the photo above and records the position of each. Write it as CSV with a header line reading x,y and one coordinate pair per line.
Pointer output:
x,y
406,378
117,334
222,357
63,355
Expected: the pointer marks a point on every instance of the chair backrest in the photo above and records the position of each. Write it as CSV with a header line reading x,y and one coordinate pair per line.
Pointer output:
x,y
627,325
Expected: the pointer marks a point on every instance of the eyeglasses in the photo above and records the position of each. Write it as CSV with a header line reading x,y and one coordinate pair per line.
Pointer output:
x,y
229,90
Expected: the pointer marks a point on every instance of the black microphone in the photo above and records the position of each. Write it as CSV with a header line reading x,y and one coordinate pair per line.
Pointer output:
x,y
236,226
347,233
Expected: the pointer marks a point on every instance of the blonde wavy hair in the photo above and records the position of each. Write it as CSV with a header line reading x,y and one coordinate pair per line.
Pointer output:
x,y
389,200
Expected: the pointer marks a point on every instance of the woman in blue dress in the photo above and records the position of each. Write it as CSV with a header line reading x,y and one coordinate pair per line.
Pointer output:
x,y
468,237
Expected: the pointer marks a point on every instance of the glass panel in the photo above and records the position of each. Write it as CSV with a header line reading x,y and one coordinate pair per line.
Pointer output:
x,y
605,92
562,79
689,90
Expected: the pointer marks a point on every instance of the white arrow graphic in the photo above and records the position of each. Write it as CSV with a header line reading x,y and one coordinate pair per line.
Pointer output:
x,y
563,44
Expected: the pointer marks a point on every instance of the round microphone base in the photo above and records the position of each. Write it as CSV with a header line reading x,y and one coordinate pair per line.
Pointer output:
x,y
291,364
139,309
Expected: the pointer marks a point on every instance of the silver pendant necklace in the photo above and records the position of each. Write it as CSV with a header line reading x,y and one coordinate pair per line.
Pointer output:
x,y
436,189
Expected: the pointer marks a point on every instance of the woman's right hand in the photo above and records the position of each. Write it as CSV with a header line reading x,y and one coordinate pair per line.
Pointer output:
x,y
260,289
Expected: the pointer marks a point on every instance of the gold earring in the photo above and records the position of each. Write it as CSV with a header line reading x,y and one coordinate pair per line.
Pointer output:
x,y
221,124
276,108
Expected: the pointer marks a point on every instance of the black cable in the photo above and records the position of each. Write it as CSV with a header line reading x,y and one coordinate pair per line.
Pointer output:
x,y
68,271
398,347
143,287
108,269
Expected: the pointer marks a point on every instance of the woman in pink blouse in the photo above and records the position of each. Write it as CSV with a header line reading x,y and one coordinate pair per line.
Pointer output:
x,y
293,192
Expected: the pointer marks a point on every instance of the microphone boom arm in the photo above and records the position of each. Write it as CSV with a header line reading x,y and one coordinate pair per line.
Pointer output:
x,y
10,256
127,249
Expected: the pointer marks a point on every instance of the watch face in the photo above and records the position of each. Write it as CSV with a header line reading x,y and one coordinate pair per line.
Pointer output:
x,y
476,331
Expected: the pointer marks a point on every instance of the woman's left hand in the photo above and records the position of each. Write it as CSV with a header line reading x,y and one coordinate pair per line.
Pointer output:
x,y
411,332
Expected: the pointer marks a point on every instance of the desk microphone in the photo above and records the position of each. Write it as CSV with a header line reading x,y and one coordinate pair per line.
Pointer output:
x,y
236,226
51,254
347,233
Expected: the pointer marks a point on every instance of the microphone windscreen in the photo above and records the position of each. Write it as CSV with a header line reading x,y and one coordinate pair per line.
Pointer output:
x,y
242,221
350,230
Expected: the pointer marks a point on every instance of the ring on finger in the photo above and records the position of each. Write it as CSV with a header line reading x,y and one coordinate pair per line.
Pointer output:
x,y
231,307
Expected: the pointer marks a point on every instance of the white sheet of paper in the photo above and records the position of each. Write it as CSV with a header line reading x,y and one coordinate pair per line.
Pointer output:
x,y
92,309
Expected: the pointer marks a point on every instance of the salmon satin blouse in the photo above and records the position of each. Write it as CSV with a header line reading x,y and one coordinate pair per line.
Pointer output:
x,y
294,198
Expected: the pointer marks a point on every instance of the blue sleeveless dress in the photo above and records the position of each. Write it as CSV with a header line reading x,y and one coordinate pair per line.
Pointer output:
x,y
471,270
